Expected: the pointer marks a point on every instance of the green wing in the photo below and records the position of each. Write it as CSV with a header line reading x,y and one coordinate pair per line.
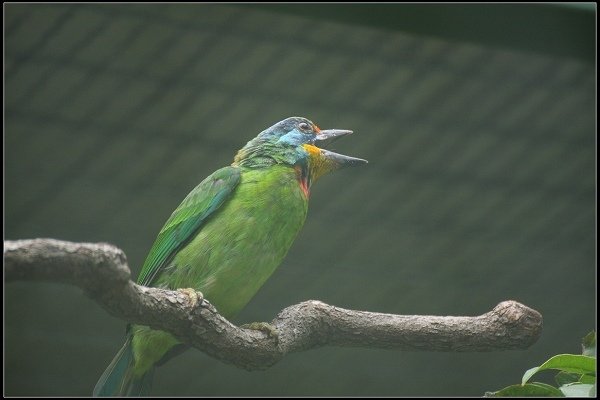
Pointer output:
x,y
187,219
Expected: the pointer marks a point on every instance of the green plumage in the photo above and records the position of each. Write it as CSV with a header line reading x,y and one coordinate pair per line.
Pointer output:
x,y
225,239
234,253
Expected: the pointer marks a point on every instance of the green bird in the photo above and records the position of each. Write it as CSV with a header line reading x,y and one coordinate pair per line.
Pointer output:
x,y
227,237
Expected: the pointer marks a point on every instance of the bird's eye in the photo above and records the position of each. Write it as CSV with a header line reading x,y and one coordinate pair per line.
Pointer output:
x,y
304,126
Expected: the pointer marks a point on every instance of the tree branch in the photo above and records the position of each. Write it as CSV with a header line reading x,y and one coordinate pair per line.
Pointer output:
x,y
101,271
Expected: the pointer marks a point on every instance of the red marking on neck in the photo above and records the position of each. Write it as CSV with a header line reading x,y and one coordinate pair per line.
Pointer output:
x,y
304,187
303,181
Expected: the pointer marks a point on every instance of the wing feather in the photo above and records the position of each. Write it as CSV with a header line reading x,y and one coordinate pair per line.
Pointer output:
x,y
187,219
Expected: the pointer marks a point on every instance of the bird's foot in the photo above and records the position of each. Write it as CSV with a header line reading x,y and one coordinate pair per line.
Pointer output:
x,y
265,327
194,297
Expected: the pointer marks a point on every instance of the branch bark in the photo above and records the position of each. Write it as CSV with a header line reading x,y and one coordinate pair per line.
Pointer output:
x,y
101,271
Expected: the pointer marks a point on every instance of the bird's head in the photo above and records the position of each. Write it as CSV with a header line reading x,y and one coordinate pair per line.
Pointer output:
x,y
293,141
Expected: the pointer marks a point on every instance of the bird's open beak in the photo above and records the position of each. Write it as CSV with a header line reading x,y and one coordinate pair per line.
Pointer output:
x,y
324,161
337,161
340,160
331,133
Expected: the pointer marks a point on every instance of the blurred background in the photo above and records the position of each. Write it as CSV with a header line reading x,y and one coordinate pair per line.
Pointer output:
x,y
478,122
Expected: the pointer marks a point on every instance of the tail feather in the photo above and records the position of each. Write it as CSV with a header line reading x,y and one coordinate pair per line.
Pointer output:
x,y
119,380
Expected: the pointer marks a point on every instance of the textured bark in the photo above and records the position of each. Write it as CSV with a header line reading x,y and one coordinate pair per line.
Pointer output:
x,y
101,271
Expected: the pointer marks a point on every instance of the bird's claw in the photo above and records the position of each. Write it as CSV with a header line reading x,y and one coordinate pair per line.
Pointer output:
x,y
194,297
265,327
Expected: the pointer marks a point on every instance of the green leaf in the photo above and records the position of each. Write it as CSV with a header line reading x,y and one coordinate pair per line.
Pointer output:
x,y
528,374
548,388
536,389
565,362
589,344
564,378
587,379
578,390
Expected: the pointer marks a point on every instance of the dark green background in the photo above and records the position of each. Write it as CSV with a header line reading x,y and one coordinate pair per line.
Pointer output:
x,y
478,122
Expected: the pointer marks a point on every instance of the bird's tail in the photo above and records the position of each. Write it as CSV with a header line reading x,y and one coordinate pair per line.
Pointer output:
x,y
119,379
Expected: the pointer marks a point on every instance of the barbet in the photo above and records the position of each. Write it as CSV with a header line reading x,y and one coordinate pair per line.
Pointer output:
x,y
227,237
